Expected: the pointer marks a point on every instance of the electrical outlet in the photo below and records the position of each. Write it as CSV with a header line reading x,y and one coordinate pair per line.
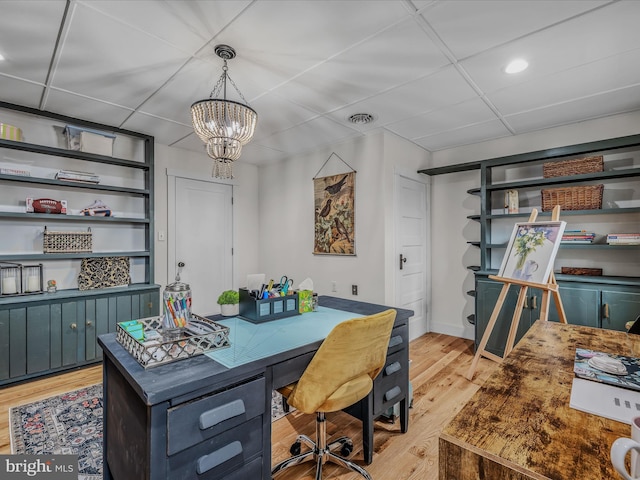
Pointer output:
x,y
334,286
354,289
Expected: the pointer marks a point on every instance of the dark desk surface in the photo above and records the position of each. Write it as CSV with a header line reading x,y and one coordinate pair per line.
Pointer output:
x,y
171,381
519,425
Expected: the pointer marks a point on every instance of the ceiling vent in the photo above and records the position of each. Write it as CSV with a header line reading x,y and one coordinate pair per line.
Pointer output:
x,y
361,118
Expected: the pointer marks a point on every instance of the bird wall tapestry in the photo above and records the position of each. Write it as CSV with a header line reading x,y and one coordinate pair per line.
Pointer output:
x,y
334,214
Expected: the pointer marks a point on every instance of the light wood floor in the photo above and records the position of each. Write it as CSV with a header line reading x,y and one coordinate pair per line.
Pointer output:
x,y
439,387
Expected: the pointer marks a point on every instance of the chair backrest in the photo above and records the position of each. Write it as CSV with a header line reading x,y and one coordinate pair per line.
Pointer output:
x,y
352,349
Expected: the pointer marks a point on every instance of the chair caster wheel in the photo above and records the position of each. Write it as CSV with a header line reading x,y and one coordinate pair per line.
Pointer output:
x,y
295,449
346,449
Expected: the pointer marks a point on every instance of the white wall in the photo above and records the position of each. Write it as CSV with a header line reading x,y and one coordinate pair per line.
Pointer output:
x,y
287,216
245,208
451,204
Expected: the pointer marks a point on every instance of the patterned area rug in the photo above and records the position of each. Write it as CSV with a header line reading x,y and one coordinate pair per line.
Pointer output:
x,y
72,424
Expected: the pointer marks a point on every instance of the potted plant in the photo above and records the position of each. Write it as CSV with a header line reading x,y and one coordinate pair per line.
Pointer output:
x,y
228,301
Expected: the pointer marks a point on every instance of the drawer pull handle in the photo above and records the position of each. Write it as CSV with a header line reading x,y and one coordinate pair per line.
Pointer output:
x,y
395,341
220,414
393,368
393,393
207,462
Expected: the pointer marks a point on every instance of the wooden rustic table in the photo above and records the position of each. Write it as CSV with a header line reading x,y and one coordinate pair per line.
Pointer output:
x,y
519,425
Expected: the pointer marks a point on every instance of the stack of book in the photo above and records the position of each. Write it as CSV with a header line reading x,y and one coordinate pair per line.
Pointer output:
x,y
623,239
72,176
577,236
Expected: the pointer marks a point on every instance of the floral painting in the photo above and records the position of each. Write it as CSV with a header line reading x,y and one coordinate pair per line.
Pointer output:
x,y
334,214
531,251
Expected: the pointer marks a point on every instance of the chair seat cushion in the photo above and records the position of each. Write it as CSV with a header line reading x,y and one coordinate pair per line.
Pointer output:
x,y
347,394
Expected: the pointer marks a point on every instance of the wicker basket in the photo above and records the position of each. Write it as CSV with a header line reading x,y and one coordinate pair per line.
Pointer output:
x,y
67,242
587,197
576,166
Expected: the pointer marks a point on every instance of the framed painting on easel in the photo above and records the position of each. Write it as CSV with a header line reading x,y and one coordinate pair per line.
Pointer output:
x,y
531,251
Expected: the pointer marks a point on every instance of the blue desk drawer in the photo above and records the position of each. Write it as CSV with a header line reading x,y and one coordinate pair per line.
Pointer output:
x,y
193,422
399,339
392,384
220,456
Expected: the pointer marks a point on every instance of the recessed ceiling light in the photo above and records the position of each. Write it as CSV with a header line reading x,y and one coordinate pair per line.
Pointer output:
x,y
516,66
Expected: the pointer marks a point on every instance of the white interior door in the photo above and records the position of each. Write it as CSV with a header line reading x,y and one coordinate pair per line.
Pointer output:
x,y
201,223
412,257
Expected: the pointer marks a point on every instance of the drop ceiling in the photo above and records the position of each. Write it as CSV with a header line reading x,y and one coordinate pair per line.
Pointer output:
x,y
428,71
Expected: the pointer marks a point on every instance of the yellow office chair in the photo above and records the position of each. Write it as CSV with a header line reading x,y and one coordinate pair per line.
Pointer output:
x,y
340,374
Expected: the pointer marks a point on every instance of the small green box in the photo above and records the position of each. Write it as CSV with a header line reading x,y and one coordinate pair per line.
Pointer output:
x,y
305,300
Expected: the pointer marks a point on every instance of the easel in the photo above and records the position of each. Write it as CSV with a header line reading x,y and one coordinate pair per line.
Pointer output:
x,y
550,286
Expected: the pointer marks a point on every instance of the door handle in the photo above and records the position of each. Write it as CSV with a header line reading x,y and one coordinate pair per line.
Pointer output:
x,y
403,260
605,310
534,302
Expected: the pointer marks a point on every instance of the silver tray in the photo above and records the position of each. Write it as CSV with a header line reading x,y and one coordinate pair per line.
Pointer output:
x,y
205,336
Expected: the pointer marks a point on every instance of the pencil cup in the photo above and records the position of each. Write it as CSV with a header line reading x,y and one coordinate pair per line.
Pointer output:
x,y
177,308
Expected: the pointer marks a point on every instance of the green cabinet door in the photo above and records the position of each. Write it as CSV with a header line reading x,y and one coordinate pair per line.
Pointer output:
x,y
619,308
487,293
581,305
69,329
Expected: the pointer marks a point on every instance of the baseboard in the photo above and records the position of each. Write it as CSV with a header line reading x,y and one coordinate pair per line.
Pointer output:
x,y
453,330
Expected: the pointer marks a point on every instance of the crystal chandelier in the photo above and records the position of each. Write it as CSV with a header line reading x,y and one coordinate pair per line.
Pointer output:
x,y
223,125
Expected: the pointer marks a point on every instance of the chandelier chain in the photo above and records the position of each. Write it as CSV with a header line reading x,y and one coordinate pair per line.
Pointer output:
x,y
222,81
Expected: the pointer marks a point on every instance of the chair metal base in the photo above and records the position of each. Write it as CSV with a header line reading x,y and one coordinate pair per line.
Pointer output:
x,y
321,452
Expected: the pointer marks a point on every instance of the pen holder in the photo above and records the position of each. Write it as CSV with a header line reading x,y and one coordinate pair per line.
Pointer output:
x,y
177,308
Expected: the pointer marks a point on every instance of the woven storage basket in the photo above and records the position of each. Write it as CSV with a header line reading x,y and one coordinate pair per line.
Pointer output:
x,y
587,197
67,242
576,166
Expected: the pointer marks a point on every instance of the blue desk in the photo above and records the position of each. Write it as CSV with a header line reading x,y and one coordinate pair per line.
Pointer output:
x,y
199,414
254,341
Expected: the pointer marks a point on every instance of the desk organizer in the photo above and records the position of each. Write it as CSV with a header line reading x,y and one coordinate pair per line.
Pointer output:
x,y
155,350
258,311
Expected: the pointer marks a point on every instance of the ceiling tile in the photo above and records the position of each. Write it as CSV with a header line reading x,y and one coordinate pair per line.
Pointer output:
x,y
470,26
600,76
611,30
103,58
20,92
445,87
28,55
610,103
309,136
389,59
457,116
84,108
166,132
479,132
280,39
185,25
276,113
